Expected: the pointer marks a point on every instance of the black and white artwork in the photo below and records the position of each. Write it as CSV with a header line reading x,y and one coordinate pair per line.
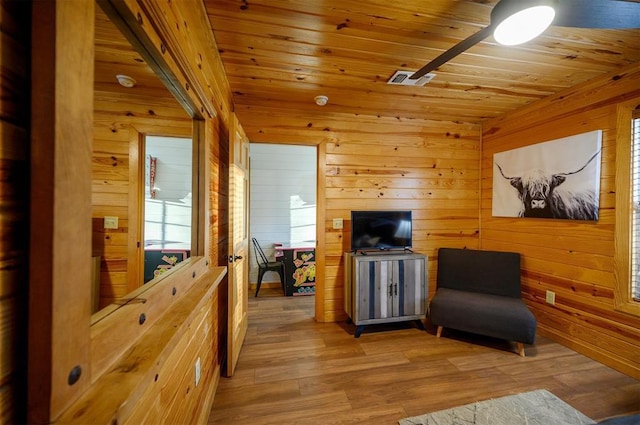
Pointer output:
x,y
555,179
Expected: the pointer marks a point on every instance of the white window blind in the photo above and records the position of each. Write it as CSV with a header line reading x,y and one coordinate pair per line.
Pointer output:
x,y
635,196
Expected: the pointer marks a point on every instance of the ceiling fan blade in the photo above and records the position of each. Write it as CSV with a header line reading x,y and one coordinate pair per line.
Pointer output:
x,y
453,52
606,14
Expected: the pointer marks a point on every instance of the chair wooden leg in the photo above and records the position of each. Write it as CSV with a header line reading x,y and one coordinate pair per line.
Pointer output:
x,y
520,349
439,331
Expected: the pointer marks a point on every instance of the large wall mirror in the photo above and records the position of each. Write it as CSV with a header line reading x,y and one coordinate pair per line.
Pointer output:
x,y
142,171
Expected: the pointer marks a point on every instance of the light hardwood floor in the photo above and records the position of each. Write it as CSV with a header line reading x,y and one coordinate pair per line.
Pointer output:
x,y
293,370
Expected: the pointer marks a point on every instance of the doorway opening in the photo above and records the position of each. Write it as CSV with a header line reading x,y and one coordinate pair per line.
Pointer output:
x,y
282,214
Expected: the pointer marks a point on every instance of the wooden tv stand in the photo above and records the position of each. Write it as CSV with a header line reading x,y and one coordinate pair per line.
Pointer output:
x,y
385,287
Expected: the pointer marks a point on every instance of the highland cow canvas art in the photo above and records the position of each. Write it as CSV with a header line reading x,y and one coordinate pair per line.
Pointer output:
x,y
556,179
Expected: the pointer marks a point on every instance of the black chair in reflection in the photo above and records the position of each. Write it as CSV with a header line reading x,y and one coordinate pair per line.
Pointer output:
x,y
264,265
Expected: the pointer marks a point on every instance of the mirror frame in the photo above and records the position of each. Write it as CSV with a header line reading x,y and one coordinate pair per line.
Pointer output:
x,y
66,354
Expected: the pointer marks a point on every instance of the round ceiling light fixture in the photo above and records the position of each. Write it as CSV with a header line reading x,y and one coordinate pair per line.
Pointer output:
x,y
321,100
517,22
125,81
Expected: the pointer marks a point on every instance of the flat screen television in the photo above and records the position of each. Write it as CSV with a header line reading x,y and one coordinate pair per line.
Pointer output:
x,y
380,230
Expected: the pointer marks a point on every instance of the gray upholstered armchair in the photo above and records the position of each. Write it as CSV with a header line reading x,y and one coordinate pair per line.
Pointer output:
x,y
479,292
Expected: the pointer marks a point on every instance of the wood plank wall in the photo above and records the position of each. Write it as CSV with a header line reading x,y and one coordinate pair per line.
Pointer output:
x,y
571,258
366,162
154,373
199,329
118,117
14,187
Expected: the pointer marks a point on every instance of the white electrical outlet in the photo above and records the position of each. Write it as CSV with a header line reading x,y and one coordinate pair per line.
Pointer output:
x,y
337,223
551,297
197,371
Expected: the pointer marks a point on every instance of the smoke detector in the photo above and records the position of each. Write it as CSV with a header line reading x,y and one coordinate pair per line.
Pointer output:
x,y
321,100
125,81
401,78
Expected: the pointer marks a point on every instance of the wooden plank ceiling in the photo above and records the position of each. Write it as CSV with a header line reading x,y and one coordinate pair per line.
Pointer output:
x,y
114,55
280,54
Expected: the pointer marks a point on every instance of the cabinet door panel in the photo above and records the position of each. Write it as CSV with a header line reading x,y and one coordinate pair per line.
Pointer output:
x,y
372,290
385,272
412,295
389,288
363,287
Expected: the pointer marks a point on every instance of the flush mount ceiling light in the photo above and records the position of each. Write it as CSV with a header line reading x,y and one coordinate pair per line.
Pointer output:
x,y
519,22
321,100
125,81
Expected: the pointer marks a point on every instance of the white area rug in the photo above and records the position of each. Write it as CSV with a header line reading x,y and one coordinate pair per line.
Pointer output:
x,y
532,408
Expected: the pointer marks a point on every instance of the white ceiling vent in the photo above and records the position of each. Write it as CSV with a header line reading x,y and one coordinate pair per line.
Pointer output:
x,y
401,78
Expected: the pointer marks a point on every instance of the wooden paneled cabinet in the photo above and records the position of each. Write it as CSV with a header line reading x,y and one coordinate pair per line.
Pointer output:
x,y
385,287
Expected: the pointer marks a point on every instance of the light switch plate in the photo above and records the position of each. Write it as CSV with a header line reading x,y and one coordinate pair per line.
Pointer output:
x,y
197,371
337,223
110,222
551,297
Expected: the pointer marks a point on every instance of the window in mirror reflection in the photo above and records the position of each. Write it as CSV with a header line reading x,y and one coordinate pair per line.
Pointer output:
x,y
167,203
